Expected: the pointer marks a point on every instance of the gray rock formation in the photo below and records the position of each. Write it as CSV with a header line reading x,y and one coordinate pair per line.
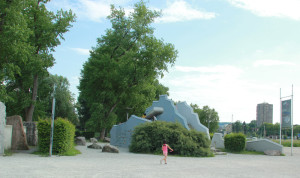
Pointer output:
x,y
95,146
80,141
110,149
93,140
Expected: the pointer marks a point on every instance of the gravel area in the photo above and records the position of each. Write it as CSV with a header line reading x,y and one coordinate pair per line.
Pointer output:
x,y
94,163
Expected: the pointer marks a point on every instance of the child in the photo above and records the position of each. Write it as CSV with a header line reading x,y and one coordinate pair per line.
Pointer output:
x,y
165,148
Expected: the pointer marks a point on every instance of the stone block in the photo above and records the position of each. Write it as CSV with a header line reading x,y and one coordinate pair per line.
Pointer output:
x,y
31,133
19,141
217,141
2,126
263,145
7,137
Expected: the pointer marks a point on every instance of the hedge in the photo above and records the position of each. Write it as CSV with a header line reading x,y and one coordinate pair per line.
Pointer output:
x,y
235,142
63,137
148,138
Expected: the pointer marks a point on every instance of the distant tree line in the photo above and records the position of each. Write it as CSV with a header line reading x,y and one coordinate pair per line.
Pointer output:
x,y
265,130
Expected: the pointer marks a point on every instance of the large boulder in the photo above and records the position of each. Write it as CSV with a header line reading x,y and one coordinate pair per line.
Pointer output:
x,y
95,146
110,149
19,141
80,141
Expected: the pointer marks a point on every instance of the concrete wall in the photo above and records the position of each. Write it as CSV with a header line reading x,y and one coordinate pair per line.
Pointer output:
x,y
7,137
120,135
192,118
263,145
217,141
2,127
19,141
170,113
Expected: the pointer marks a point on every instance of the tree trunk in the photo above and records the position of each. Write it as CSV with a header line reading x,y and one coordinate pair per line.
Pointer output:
x,y
102,134
30,109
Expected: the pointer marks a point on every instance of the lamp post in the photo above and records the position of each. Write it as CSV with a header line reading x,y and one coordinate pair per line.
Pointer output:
x,y
52,123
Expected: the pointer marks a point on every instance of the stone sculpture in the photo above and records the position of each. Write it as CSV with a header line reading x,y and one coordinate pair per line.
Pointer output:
x,y
163,110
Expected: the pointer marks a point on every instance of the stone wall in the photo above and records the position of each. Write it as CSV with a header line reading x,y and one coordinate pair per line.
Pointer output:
x,y
31,133
2,127
7,137
19,141
120,135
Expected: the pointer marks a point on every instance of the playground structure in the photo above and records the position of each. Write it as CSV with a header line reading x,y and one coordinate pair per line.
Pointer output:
x,y
163,110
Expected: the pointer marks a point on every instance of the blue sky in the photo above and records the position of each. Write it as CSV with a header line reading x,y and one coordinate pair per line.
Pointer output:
x,y
233,54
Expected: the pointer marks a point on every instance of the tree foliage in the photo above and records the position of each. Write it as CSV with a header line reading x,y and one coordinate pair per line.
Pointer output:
x,y
122,69
148,138
208,117
28,35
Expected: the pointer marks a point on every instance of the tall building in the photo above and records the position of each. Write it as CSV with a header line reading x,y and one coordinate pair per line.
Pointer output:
x,y
264,113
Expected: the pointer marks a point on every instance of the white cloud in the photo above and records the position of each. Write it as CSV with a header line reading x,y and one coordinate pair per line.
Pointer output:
x,y
215,69
271,8
81,51
223,88
181,11
271,63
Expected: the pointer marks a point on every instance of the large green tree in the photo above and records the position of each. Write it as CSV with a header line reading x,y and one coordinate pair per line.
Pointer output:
x,y
208,117
44,30
123,66
14,46
64,100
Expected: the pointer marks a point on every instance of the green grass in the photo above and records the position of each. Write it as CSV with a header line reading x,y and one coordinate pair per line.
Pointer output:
x,y
8,153
72,152
287,143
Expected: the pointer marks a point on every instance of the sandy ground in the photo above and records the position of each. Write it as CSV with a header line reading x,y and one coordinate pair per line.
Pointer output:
x,y
94,163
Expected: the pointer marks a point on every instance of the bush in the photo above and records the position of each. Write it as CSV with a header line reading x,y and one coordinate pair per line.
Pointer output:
x,y
235,142
63,137
148,138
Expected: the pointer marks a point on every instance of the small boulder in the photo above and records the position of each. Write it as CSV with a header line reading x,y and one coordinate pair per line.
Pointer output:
x,y
106,139
110,149
95,146
80,141
272,152
94,140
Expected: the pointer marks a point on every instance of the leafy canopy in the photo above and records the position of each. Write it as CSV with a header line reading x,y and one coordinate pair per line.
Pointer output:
x,y
124,65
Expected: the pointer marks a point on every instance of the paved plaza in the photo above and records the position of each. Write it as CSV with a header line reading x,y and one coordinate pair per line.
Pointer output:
x,y
94,163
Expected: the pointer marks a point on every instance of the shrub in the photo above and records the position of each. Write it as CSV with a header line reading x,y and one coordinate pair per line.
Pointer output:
x,y
235,142
63,137
148,138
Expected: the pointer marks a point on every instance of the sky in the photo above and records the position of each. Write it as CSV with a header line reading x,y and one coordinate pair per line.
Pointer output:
x,y
232,54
